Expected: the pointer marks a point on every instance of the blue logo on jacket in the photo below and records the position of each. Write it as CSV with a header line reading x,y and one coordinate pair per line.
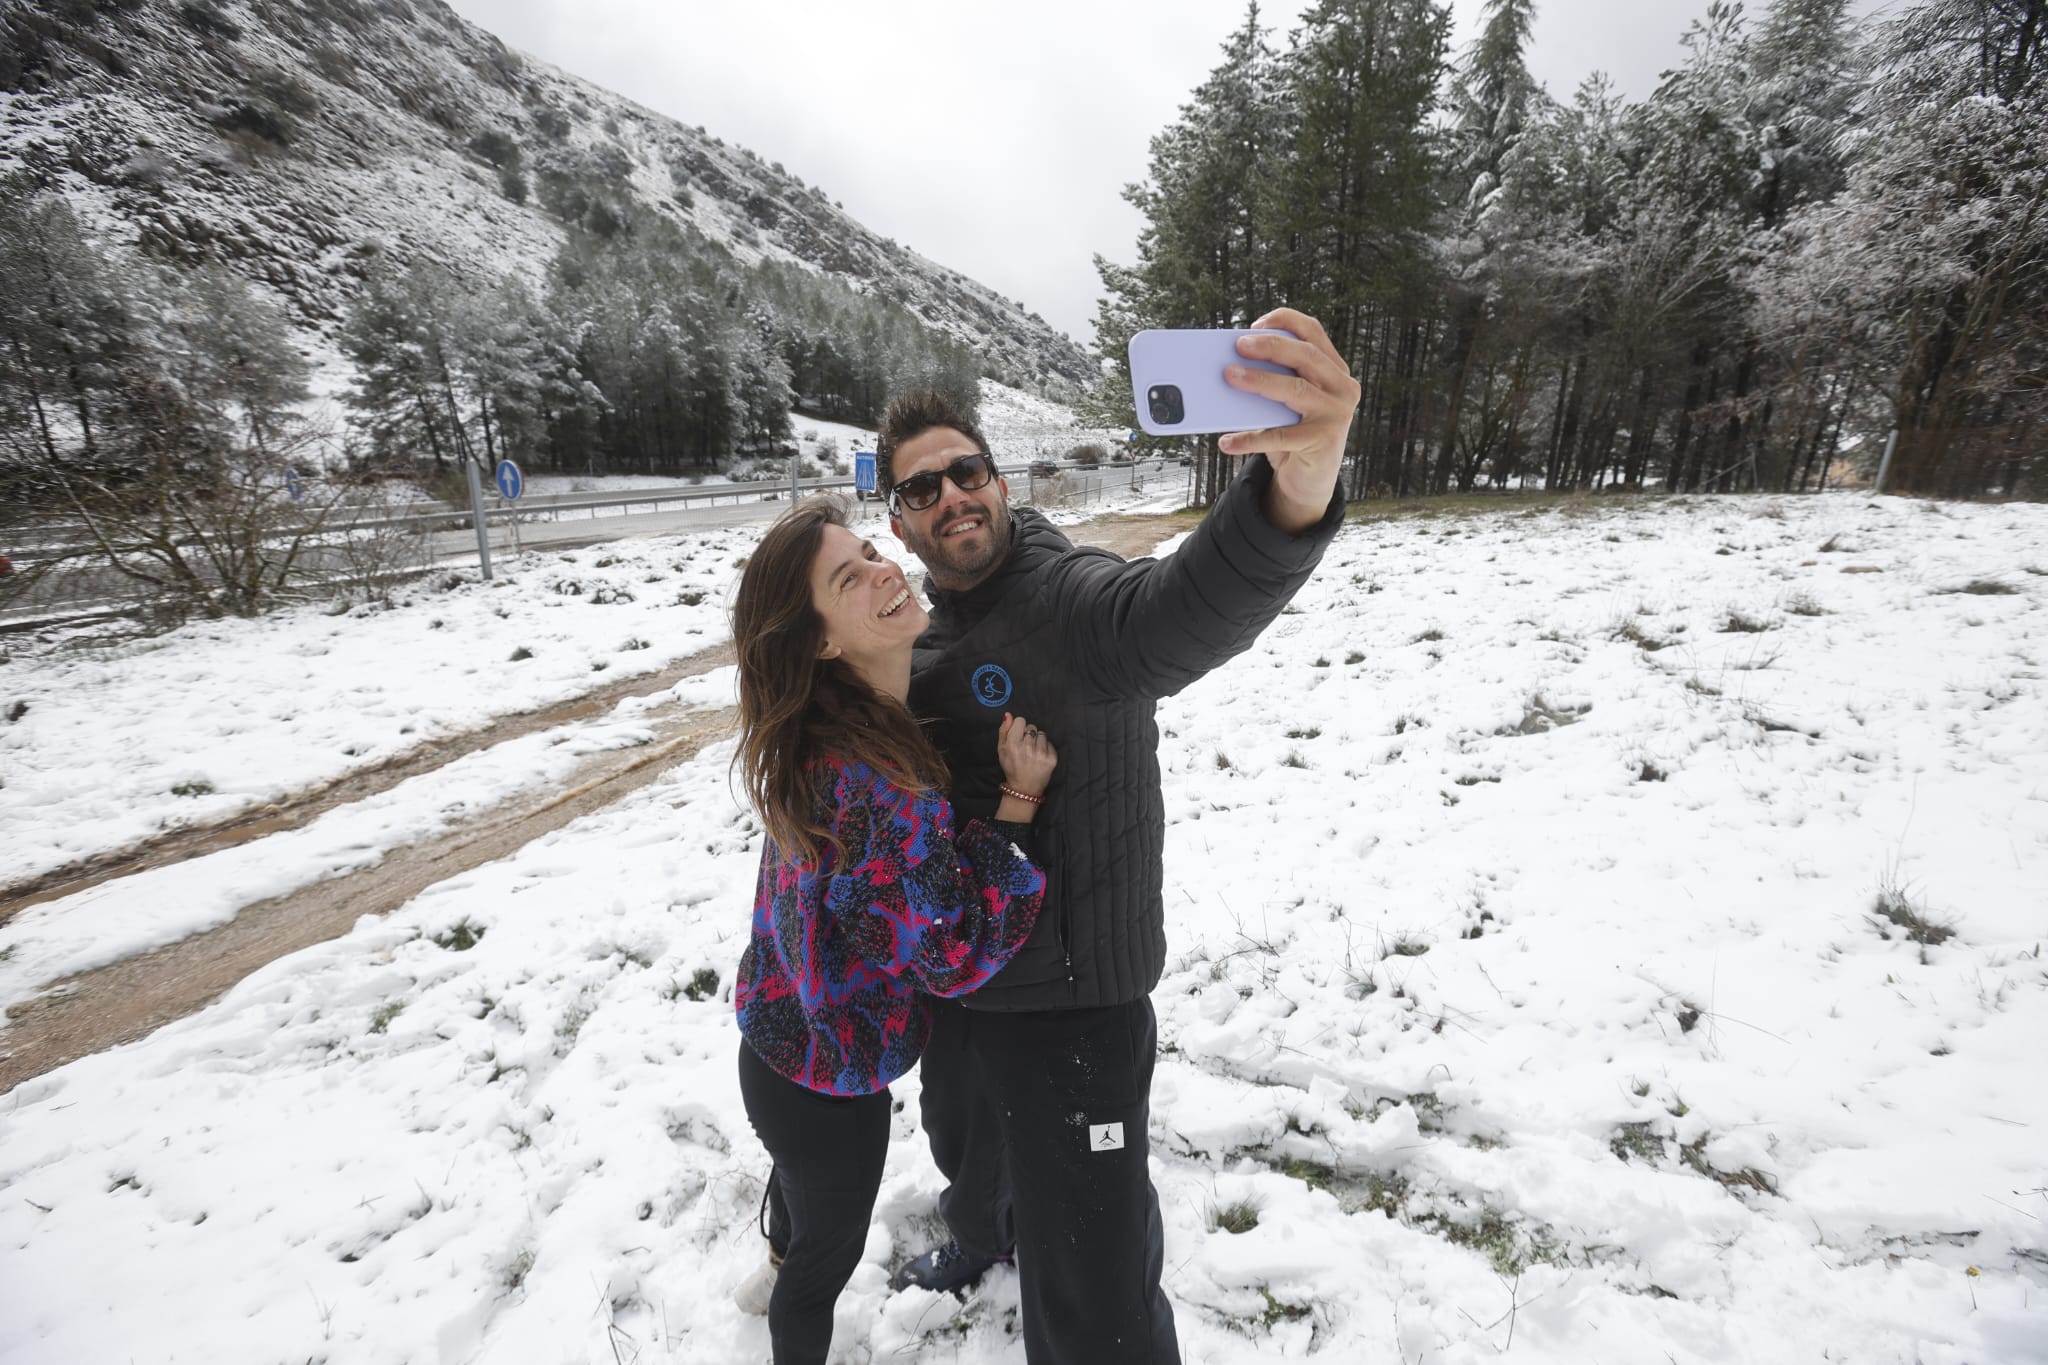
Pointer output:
x,y
992,685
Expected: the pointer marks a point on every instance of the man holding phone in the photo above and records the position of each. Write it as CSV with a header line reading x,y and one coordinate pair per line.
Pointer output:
x,y
1041,1085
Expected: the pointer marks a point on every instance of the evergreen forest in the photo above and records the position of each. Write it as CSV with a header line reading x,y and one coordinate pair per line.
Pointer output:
x,y
648,349
1815,233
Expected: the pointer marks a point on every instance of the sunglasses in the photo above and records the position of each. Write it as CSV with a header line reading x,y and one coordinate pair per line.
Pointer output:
x,y
920,491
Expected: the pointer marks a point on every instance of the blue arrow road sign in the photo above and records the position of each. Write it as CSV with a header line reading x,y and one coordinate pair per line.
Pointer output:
x,y
294,485
510,482
864,470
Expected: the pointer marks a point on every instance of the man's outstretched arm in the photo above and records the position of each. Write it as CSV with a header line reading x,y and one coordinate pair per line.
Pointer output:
x,y
1149,628
1308,456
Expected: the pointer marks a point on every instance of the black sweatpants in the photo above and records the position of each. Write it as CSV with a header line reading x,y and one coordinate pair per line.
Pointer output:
x,y
828,1155
1051,1108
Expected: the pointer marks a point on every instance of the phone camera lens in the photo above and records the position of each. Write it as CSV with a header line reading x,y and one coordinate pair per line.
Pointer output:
x,y
1166,405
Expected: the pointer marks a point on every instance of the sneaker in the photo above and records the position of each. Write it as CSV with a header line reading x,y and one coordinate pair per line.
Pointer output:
x,y
754,1291
944,1268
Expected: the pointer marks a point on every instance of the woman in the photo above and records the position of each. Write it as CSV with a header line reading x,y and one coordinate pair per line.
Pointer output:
x,y
868,903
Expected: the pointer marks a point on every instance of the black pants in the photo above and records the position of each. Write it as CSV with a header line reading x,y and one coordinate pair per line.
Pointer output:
x,y
1052,1107
828,1156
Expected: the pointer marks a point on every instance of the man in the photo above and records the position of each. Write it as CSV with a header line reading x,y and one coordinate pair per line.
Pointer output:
x,y
1041,1083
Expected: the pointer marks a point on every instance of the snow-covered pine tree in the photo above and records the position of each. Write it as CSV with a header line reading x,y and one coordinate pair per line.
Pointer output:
x,y
1353,207
1806,74
67,336
1677,316
228,351
1492,95
1936,254
448,371
395,336
1203,255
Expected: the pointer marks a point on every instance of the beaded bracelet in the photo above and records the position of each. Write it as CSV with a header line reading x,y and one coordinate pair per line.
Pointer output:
x,y
1021,796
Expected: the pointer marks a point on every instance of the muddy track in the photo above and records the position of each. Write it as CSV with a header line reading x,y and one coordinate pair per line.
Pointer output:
x,y
302,808
129,999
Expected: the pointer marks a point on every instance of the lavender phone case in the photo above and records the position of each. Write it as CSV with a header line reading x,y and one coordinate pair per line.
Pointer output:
x,y
1192,362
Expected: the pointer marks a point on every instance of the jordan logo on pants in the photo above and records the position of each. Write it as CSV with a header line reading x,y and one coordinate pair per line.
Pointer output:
x,y
1105,1137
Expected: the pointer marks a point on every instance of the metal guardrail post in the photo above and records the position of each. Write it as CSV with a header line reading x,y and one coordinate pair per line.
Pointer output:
x,y
1884,466
476,512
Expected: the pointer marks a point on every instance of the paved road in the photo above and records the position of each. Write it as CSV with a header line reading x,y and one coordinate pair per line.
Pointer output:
x,y
86,589
1074,487
565,532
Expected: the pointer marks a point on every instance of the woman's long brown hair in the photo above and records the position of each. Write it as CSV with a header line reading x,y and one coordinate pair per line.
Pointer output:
x,y
796,708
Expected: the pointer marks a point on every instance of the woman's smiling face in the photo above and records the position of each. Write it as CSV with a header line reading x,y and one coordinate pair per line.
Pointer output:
x,y
866,603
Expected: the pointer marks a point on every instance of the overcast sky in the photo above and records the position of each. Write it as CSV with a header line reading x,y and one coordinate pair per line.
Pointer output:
x,y
992,139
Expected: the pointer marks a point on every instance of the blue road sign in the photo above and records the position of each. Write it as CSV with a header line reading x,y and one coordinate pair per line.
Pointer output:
x,y
294,485
864,470
1130,438
510,482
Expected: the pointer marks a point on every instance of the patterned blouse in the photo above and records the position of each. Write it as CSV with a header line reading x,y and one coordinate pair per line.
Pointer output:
x,y
832,991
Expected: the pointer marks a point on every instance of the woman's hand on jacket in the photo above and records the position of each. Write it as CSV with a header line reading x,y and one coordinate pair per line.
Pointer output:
x,y
1028,759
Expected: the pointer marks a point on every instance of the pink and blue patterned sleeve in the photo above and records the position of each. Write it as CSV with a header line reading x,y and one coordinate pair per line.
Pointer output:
x,y
911,900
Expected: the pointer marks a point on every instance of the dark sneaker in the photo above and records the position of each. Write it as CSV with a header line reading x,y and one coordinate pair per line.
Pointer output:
x,y
943,1269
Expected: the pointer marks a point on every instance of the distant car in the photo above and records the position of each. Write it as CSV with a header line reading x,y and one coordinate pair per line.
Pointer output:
x,y
1187,461
1043,469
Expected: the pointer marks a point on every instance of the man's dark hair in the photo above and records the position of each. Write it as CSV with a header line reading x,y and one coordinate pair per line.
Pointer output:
x,y
911,415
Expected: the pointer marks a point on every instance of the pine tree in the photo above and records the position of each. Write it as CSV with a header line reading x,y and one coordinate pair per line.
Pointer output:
x,y
503,352
230,353
1945,220
1492,99
1942,50
66,335
1693,199
1354,207
1806,77
395,335
1203,259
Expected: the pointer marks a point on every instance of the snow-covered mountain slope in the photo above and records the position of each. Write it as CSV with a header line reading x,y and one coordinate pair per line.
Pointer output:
x,y
297,141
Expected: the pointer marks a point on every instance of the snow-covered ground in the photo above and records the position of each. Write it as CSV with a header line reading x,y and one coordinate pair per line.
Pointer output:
x,y
1526,994
116,743
1024,426
830,443
111,744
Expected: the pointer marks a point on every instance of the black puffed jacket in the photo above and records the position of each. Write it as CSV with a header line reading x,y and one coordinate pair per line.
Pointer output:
x,y
1083,644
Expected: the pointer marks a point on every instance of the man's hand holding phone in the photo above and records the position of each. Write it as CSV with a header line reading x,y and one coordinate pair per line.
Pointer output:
x,y
1307,456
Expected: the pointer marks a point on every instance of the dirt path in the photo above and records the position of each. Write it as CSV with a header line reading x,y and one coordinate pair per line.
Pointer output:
x,y
134,997
1132,536
127,1000
302,808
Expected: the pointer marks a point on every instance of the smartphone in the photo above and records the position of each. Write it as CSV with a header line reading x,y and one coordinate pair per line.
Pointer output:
x,y
1177,383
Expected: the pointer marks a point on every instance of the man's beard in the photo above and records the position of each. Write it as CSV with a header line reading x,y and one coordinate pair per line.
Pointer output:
x,y
957,566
